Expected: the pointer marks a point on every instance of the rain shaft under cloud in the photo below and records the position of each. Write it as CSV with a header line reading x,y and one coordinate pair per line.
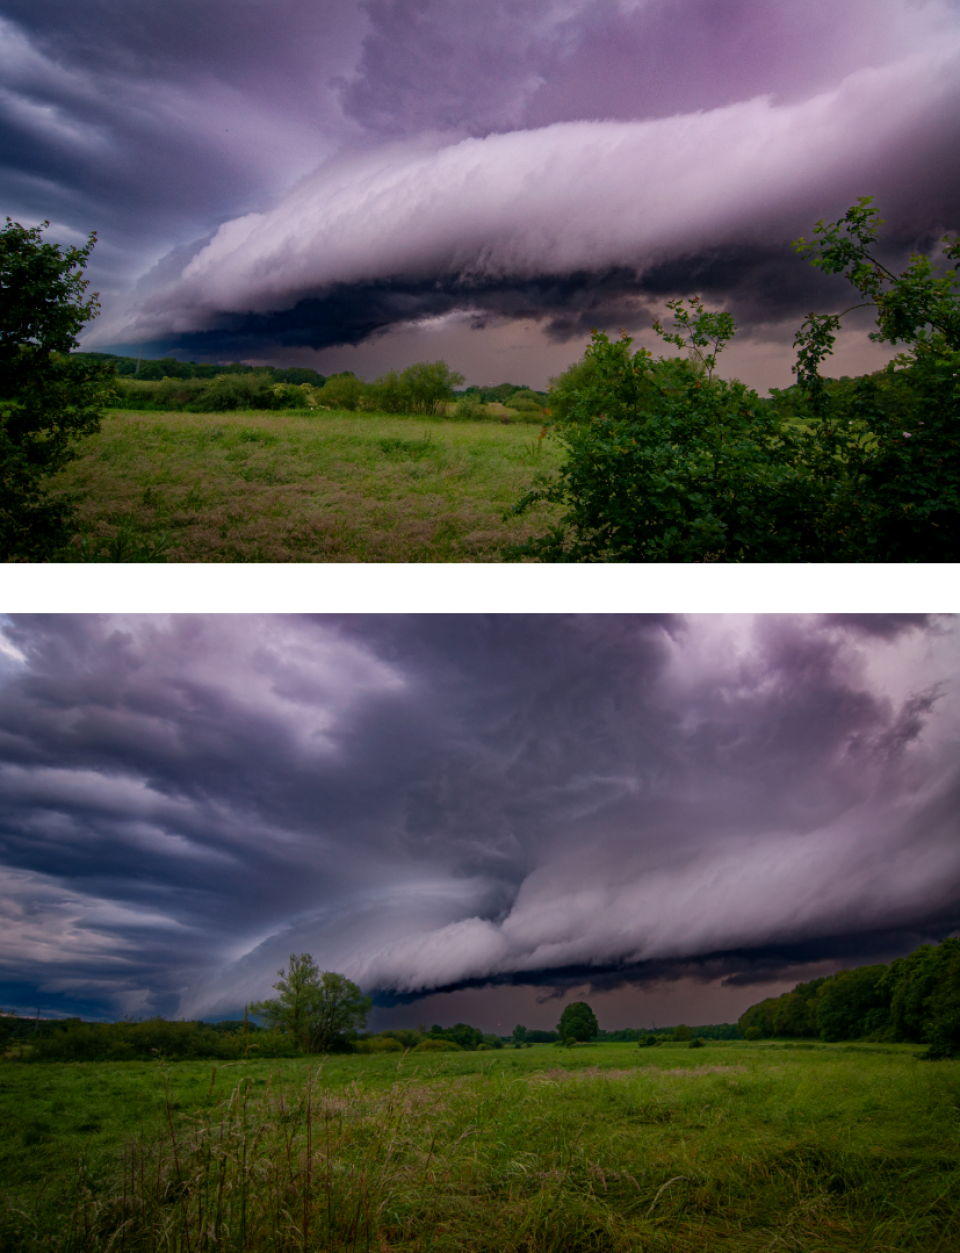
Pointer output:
x,y
316,174
436,802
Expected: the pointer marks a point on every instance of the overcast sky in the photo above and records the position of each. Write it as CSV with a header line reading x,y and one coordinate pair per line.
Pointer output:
x,y
357,184
476,818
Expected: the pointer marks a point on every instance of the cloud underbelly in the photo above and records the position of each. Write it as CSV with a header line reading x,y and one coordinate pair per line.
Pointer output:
x,y
784,890
573,196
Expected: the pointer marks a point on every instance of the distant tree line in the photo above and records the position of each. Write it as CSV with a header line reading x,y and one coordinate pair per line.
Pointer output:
x,y
426,387
915,998
73,1040
169,368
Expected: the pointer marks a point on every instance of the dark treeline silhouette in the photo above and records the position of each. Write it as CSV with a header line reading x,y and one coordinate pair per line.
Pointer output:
x,y
73,1040
169,368
913,999
633,1035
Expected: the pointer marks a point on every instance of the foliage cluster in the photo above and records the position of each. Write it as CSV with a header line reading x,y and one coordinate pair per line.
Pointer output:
x,y
47,399
72,1040
915,998
222,394
578,1024
664,461
424,388
464,1036
169,368
319,1011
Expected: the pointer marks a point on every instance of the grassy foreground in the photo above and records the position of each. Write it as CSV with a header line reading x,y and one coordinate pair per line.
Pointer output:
x,y
318,486
609,1147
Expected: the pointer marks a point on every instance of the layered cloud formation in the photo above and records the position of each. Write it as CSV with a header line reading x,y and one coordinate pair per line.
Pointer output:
x,y
320,172
571,198
427,803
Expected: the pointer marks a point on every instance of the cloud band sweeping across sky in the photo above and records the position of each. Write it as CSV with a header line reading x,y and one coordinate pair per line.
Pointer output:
x,y
430,803
310,173
569,198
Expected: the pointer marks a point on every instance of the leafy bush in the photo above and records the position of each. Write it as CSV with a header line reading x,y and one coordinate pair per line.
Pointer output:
x,y
408,1038
470,409
682,1032
437,1045
342,391
75,1041
377,1044
666,462
219,394
47,400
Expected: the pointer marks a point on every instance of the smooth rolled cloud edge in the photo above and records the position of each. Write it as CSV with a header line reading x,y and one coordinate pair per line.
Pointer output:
x,y
791,889
573,196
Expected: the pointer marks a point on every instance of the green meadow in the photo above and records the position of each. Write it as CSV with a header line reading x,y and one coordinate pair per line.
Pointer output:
x,y
282,486
732,1146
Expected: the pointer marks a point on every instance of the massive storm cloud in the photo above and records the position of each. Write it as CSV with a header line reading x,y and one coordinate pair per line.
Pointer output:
x,y
313,174
430,803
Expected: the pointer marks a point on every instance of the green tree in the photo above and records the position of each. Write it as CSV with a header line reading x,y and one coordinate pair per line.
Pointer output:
x,y
913,981
682,1032
342,391
429,384
519,1034
47,400
943,1010
702,333
854,1003
318,1010
895,436
578,1023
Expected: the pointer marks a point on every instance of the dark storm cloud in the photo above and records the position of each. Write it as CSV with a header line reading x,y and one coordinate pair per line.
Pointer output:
x,y
757,285
150,122
452,65
568,306
342,168
444,802
714,194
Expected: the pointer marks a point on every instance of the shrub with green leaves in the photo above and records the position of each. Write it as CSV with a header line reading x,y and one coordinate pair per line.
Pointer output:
x,y
664,461
47,400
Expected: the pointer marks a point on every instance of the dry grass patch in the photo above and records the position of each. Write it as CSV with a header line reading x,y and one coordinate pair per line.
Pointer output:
x,y
280,487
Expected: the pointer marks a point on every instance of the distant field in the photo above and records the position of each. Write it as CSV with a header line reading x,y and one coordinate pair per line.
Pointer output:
x,y
282,486
608,1148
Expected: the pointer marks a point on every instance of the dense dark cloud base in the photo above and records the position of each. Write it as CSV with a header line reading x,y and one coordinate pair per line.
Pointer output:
x,y
759,285
733,968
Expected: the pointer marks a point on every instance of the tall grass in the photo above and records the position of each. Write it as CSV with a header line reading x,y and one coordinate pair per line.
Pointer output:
x,y
282,487
594,1150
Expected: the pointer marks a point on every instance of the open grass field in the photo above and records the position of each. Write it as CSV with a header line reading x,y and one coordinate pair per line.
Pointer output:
x,y
608,1147
318,486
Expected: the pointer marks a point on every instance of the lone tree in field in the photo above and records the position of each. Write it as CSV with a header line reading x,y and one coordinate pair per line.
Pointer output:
x,y
578,1023
47,400
316,1009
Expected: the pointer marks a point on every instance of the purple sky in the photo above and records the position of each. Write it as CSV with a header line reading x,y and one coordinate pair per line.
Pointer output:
x,y
357,185
475,817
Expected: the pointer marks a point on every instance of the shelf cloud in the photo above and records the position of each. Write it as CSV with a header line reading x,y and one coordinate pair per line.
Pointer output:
x,y
275,180
432,803
591,197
